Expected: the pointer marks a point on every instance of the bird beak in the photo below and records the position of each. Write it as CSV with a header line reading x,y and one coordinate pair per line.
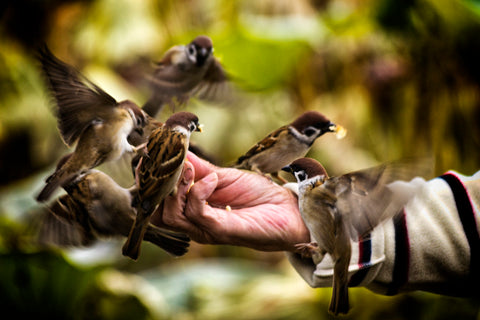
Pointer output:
x,y
340,132
200,128
287,169
331,127
203,52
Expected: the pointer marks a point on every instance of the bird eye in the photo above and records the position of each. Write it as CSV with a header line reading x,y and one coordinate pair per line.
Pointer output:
x,y
309,132
301,175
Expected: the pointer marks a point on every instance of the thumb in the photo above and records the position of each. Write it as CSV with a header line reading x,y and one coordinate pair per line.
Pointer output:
x,y
196,198
203,188
202,167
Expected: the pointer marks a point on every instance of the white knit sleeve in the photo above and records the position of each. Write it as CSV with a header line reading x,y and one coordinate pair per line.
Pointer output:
x,y
427,247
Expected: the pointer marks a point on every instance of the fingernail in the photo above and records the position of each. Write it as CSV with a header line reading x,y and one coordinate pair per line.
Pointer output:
x,y
188,175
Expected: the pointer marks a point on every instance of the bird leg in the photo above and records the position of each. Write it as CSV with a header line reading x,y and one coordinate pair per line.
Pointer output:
x,y
277,176
140,149
255,169
307,250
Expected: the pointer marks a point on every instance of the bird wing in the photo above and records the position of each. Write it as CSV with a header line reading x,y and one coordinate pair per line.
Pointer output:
x,y
170,80
78,100
319,215
266,143
216,85
59,226
365,199
215,72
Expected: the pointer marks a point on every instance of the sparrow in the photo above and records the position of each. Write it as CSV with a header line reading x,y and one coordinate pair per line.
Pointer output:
x,y
185,71
339,209
96,207
89,117
287,144
158,172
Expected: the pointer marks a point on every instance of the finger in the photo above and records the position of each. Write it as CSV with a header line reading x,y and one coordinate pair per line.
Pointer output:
x,y
171,214
197,200
202,167
202,226
204,188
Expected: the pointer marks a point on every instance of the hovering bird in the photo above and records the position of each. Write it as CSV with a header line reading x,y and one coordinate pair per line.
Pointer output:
x,y
339,209
89,117
287,143
185,71
158,172
96,207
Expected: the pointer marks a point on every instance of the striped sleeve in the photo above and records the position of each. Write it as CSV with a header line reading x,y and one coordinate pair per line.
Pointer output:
x,y
433,245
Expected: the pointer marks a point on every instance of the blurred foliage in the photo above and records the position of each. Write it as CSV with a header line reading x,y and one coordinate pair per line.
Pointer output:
x,y
401,75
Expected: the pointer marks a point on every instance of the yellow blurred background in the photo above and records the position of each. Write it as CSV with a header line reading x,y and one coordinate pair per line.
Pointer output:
x,y
401,76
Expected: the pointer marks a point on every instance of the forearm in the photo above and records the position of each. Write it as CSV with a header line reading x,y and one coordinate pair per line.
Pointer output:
x,y
425,248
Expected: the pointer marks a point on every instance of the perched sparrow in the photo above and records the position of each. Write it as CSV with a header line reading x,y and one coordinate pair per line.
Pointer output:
x,y
89,115
287,143
158,172
183,72
338,209
97,207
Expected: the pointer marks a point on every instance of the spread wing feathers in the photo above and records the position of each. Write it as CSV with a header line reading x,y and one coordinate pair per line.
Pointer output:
x,y
79,101
172,81
169,81
365,198
264,144
217,87
215,72
165,156
58,225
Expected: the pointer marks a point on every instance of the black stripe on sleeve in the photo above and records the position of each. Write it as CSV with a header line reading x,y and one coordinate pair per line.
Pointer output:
x,y
364,261
402,254
467,217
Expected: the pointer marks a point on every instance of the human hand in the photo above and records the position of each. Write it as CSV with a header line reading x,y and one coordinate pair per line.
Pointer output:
x,y
263,215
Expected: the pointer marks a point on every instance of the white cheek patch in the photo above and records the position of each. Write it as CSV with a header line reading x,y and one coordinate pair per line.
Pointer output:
x,y
300,176
303,138
182,130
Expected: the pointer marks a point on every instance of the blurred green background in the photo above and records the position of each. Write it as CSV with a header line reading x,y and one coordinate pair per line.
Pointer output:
x,y
402,76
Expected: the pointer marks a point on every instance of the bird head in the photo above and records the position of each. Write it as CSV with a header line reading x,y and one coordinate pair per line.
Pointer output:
x,y
186,120
199,50
139,117
306,169
311,125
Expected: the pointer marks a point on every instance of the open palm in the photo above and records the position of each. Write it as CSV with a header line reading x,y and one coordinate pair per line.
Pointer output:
x,y
260,214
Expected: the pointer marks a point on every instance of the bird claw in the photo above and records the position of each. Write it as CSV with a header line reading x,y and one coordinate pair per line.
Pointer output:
x,y
140,149
307,250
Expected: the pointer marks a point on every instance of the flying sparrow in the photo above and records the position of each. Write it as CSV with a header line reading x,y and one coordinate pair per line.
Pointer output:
x,y
95,207
287,143
339,209
158,172
89,116
185,71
